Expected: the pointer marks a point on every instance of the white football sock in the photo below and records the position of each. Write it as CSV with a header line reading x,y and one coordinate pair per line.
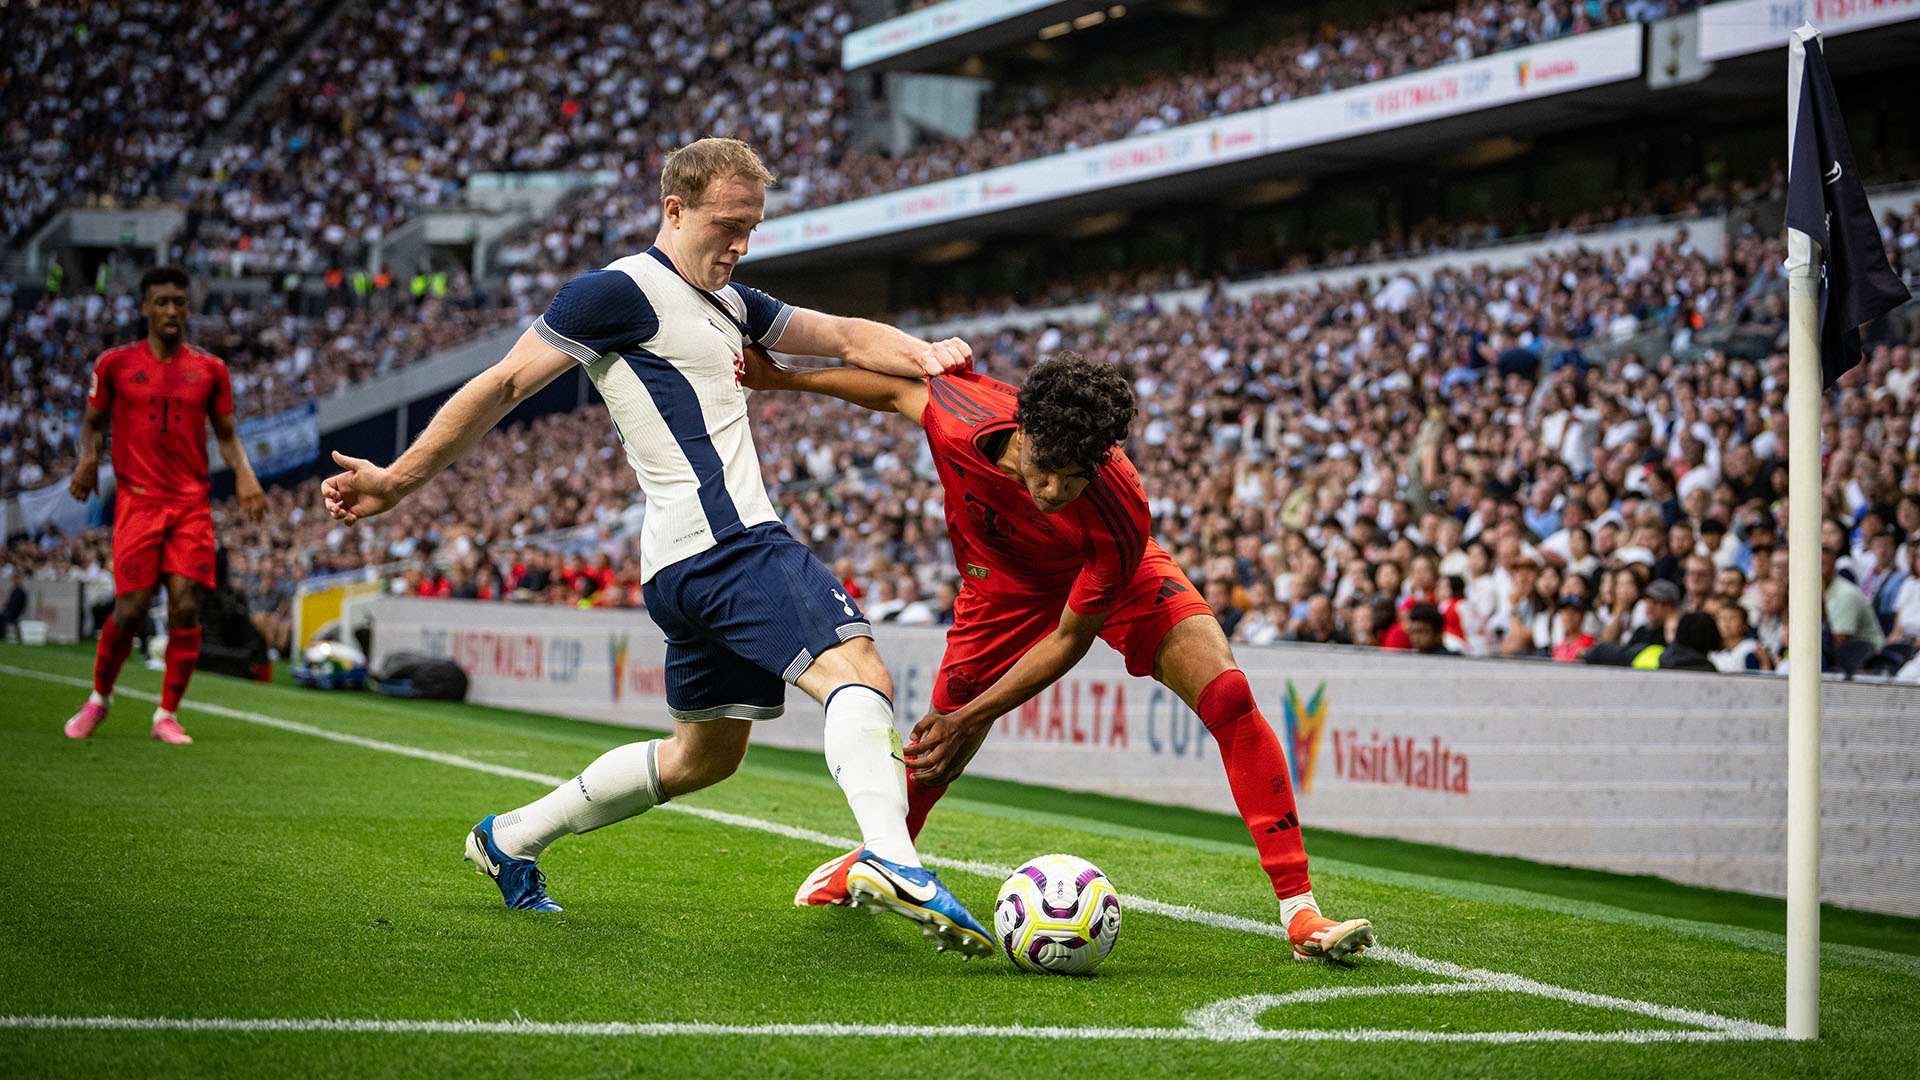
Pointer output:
x,y
1294,905
863,754
94,698
620,783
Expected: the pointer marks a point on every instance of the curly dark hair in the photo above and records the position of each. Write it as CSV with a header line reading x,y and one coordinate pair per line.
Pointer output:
x,y
164,275
1073,412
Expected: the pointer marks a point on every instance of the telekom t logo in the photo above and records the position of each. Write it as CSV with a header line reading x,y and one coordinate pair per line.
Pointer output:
x,y
165,408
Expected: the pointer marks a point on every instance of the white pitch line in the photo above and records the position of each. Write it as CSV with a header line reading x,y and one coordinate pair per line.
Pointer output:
x,y
1241,1015
839,1031
1716,1025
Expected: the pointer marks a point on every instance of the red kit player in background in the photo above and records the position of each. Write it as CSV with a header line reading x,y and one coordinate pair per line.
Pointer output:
x,y
158,396
1051,536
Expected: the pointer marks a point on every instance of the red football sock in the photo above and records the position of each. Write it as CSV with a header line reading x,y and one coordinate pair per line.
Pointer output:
x,y
183,651
1257,773
112,651
920,799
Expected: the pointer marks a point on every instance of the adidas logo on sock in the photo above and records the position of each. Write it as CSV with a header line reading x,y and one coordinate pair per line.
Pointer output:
x,y
1291,821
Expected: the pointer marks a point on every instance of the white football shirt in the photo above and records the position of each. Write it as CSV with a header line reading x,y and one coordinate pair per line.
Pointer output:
x,y
668,360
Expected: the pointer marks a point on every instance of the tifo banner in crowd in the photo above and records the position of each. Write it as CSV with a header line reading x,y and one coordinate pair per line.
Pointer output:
x,y
54,506
285,441
1737,27
1555,67
1659,772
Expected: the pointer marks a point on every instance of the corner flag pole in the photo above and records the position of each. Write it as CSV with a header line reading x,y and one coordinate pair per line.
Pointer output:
x,y
1804,600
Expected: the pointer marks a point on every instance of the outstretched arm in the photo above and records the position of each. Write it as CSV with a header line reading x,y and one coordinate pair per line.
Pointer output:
x,y
871,345
867,389
366,489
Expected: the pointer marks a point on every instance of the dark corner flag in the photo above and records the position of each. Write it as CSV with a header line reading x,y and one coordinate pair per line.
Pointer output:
x,y
1826,202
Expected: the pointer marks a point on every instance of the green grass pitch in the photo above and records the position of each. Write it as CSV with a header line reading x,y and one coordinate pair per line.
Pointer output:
x,y
286,898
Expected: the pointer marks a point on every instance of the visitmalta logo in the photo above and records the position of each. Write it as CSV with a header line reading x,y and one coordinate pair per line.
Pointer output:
x,y
1304,724
617,661
1422,762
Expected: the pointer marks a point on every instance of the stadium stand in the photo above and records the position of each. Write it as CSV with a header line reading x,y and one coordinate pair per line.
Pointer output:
x,y
277,356
1329,57
284,349
1322,440
93,118
395,110
1319,461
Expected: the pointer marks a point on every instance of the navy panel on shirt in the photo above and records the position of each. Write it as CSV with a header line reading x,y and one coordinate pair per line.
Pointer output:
x,y
679,407
598,312
766,317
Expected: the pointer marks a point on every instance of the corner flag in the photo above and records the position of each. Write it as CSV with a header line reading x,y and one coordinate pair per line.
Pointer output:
x,y
1826,202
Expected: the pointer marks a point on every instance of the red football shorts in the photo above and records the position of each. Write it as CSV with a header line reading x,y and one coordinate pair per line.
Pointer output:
x,y
988,636
153,538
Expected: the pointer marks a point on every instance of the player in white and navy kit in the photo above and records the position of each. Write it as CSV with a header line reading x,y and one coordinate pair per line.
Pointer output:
x,y
745,607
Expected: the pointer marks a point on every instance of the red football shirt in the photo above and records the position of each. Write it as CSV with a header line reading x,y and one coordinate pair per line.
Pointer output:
x,y
1007,550
158,410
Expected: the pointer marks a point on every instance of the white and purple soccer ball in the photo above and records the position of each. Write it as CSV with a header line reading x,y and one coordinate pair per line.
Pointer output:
x,y
1058,915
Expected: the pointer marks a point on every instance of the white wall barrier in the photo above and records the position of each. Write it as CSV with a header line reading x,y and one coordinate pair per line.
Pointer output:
x,y
1666,773
59,604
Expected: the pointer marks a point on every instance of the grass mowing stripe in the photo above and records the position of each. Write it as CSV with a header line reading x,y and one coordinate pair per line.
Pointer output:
x,y
1896,963
1634,892
1494,980
1856,939
618,1029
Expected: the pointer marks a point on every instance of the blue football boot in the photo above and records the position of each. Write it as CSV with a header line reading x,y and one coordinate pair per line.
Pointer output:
x,y
522,885
874,885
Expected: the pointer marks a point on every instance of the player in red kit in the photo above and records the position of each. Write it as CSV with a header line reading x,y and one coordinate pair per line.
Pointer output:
x,y
158,396
1050,534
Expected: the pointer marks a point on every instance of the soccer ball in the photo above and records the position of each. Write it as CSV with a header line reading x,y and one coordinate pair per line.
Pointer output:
x,y
1058,915
332,665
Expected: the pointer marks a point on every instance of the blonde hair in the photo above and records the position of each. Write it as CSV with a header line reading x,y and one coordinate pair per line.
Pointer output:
x,y
690,170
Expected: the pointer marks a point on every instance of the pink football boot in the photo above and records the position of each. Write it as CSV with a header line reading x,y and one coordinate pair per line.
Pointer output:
x,y
88,718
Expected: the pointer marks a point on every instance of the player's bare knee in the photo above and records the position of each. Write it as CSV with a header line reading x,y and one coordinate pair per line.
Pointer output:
x,y
131,606
1193,654
705,770
855,660
868,667
703,754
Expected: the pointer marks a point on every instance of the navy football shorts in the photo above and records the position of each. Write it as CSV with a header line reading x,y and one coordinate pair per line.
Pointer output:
x,y
744,618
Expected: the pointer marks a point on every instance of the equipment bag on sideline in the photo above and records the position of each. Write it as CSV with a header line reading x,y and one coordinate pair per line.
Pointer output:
x,y
417,675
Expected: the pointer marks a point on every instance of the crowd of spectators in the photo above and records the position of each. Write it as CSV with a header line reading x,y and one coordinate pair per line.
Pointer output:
x,y
284,349
1578,453
1325,58
279,350
1667,200
390,111
1516,463
394,109
103,99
